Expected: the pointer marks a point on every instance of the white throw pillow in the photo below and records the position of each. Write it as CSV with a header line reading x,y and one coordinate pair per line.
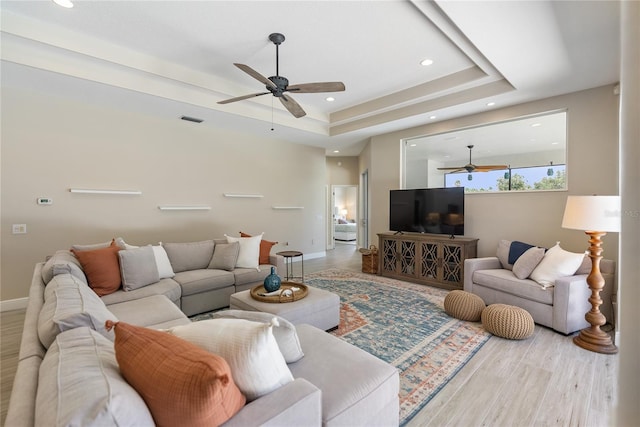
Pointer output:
x,y
256,363
162,261
556,263
285,333
249,255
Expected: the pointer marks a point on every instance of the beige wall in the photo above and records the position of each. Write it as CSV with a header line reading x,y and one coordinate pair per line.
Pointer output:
x,y
592,167
342,171
50,145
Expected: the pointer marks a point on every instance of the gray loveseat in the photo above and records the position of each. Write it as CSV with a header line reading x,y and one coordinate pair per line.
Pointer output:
x,y
561,307
334,383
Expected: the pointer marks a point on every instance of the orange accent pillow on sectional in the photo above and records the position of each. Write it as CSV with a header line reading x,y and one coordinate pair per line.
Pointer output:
x,y
181,383
265,249
102,268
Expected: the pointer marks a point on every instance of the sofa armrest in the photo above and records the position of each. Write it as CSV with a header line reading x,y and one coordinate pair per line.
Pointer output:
x,y
471,265
570,303
297,403
278,262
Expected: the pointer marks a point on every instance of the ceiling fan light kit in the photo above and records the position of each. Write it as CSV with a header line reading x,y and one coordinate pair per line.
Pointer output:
x,y
277,85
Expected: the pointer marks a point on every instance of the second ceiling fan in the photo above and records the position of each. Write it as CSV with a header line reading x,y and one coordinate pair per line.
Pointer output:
x,y
470,167
277,85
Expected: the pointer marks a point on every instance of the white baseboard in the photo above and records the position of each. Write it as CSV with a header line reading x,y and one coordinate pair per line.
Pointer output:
x,y
13,304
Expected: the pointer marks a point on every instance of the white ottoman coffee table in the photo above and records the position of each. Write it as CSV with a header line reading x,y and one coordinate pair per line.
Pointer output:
x,y
319,308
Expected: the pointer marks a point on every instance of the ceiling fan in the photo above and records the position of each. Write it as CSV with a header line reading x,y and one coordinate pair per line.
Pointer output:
x,y
277,85
470,167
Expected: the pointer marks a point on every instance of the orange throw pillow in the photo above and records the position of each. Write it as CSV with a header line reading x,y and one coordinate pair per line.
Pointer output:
x,y
102,268
265,249
181,383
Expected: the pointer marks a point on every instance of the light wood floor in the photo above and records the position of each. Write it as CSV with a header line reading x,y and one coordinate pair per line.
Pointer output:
x,y
544,380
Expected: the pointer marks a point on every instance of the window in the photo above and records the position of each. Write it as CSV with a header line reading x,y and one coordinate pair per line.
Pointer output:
x,y
524,154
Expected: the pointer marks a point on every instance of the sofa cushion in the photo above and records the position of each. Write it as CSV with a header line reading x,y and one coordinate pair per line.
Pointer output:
x,y
505,281
101,268
351,391
69,304
197,281
167,287
181,383
249,255
189,256
284,332
556,263
527,262
82,356
138,268
251,275
257,365
61,262
225,256
155,312
265,249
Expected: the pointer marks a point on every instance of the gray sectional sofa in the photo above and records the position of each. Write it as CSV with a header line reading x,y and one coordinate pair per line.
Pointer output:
x,y
65,340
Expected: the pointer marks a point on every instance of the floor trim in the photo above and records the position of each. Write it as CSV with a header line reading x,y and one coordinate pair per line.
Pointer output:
x,y
13,304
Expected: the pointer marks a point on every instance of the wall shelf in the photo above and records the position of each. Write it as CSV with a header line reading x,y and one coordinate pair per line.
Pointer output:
x,y
243,196
282,208
184,208
97,191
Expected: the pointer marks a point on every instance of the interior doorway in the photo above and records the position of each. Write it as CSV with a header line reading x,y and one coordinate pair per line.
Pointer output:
x,y
344,215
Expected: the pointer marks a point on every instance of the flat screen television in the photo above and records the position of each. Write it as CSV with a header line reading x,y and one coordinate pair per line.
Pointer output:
x,y
427,210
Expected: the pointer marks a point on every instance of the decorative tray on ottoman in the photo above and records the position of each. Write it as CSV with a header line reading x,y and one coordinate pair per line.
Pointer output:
x,y
285,293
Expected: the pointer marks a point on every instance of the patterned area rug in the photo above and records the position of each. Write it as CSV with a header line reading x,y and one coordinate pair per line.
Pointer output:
x,y
405,325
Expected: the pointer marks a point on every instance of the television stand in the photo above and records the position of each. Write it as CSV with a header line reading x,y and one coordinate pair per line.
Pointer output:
x,y
428,259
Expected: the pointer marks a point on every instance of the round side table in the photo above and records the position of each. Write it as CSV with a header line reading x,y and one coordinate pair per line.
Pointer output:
x,y
288,262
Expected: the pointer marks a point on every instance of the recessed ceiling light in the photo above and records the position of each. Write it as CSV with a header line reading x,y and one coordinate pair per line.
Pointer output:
x,y
491,104
432,117
336,151
64,3
330,99
413,145
535,125
426,62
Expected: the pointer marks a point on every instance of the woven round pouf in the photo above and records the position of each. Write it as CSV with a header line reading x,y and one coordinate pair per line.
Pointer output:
x,y
507,321
463,305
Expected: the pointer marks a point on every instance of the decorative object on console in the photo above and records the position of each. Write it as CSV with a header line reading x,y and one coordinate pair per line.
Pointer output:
x,y
272,281
596,215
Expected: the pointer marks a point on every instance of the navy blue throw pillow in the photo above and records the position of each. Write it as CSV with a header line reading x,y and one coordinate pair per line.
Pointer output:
x,y
517,249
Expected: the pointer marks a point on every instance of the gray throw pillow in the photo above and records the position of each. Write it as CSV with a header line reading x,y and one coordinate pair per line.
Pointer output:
x,y
225,256
503,254
189,256
138,268
527,262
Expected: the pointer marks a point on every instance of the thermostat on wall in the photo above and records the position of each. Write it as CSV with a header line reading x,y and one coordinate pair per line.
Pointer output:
x,y
45,201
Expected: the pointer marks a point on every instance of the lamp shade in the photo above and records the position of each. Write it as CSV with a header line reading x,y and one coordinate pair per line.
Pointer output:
x,y
592,213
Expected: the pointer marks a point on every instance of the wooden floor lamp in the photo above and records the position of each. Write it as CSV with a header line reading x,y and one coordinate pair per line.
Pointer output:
x,y
596,215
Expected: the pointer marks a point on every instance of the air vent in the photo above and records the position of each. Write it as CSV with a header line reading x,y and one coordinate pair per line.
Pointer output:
x,y
191,119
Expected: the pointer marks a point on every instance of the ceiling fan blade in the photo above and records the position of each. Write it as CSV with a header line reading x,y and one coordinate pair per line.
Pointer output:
x,y
485,168
256,75
293,107
451,169
317,87
240,98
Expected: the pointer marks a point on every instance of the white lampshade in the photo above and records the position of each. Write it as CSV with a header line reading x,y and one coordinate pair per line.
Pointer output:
x,y
592,213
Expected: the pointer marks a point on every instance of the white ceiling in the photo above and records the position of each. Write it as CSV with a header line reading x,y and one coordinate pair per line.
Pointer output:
x,y
174,58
